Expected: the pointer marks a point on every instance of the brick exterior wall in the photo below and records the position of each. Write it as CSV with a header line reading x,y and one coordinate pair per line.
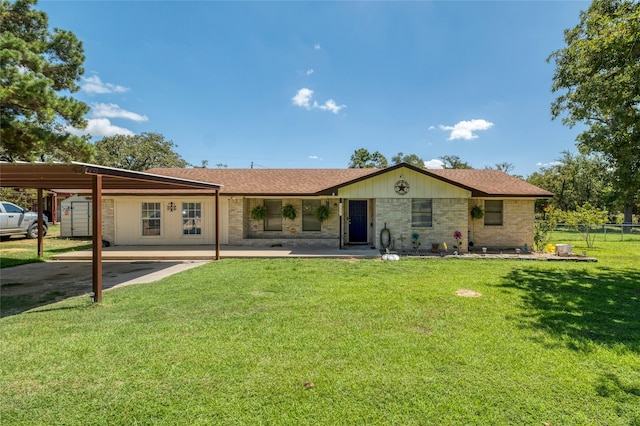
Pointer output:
x,y
236,221
516,229
108,220
449,215
245,231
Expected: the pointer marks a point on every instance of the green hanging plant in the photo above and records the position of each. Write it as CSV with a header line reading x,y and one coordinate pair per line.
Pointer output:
x,y
477,212
259,213
289,212
322,213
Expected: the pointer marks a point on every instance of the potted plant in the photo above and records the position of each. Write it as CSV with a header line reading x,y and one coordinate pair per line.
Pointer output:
x,y
322,213
289,212
477,212
259,213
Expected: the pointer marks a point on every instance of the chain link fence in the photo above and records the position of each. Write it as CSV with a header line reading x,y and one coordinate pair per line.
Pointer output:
x,y
608,231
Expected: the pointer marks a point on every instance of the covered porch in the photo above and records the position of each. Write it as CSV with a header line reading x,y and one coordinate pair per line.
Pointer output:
x,y
197,252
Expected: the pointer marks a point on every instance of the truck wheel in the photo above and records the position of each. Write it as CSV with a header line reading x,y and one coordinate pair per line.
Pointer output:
x,y
32,232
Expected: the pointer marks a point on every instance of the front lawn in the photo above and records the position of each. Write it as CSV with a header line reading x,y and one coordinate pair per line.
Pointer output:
x,y
19,250
295,341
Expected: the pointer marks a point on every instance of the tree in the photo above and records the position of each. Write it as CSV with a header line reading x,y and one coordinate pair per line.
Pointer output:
x,y
412,159
543,227
37,65
454,162
363,159
575,180
598,73
138,152
504,166
584,220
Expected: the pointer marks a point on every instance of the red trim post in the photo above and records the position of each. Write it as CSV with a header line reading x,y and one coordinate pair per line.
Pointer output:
x,y
97,237
217,224
40,225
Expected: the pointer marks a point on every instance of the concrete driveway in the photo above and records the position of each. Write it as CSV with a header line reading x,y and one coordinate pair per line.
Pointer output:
x,y
28,286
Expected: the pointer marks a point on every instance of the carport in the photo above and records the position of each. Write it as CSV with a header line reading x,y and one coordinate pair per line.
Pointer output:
x,y
81,176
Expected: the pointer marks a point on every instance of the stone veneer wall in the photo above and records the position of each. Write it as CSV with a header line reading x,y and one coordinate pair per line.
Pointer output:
x,y
236,232
449,215
108,220
516,229
245,231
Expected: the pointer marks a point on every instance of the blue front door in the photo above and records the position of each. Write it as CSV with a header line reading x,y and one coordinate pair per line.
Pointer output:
x,y
357,221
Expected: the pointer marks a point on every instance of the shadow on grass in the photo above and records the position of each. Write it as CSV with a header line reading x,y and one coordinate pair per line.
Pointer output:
x,y
26,287
10,259
600,306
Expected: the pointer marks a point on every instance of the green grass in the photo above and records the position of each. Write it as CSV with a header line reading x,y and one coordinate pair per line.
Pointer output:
x,y
234,342
19,250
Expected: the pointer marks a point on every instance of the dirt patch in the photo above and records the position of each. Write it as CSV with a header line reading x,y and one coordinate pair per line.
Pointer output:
x,y
468,293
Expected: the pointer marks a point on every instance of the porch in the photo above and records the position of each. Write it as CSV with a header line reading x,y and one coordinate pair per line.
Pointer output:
x,y
226,252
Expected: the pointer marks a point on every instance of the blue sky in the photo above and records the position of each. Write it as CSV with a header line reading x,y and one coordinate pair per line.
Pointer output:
x,y
305,84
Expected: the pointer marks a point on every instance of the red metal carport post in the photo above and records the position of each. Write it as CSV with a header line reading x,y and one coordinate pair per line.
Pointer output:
x,y
97,237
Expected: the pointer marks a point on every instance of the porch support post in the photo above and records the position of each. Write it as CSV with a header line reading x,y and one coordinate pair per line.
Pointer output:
x,y
340,245
40,225
54,207
97,237
218,224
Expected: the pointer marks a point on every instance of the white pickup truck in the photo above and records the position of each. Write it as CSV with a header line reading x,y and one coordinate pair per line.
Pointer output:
x,y
18,221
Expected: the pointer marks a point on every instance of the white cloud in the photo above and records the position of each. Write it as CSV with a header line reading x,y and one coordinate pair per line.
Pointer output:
x,y
315,157
465,129
553,163
317,46
100,127
93,85
434,164
310,71
431,128
303,100
329,105
101,110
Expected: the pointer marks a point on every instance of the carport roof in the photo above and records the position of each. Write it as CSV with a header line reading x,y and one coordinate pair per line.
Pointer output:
x,y
76,175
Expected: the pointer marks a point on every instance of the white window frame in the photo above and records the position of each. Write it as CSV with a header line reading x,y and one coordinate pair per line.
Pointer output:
x,y
193,215
156,215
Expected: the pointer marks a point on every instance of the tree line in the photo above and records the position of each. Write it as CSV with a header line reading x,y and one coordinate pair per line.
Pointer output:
x,y
597,79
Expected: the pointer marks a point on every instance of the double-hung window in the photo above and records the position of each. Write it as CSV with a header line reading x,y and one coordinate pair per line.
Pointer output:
x,y
273,221
309,220
151,219
421,213
191,219
493,212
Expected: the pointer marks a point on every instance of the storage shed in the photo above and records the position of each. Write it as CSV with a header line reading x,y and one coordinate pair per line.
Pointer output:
x,y
75,218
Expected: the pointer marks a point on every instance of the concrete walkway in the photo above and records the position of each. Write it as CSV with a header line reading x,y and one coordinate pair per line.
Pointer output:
x,y
192,253
206,253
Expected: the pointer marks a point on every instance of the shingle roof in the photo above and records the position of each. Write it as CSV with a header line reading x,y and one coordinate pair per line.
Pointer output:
x,y
491,183
282,182
269,181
